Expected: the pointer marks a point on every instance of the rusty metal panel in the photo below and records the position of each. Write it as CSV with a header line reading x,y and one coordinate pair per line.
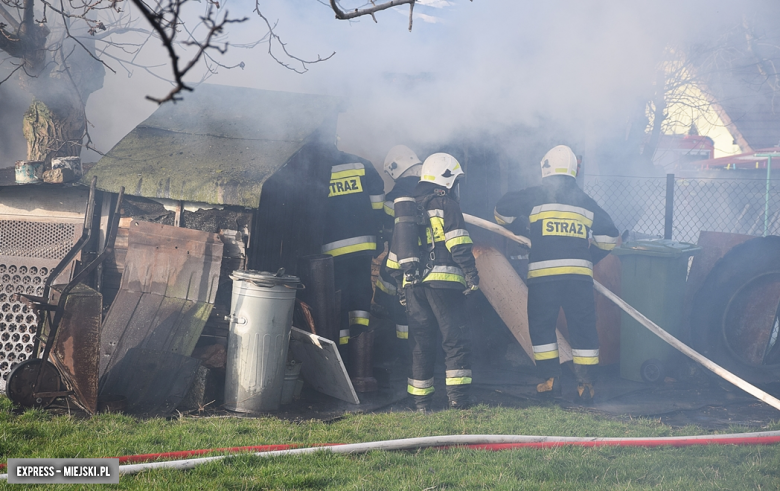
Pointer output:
x,y
77,346
167,293
171,261
153,381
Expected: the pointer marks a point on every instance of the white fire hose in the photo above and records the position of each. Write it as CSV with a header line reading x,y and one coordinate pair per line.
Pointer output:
x,y
654,328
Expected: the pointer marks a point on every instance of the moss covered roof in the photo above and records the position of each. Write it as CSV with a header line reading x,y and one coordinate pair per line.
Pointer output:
x,y
217,146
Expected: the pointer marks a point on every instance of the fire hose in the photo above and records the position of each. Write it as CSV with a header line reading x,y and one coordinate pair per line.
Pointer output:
x,y
477,442
650,325
500,442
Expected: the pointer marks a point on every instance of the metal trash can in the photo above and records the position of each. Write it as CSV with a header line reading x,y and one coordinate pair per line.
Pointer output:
x,y
261,312
653,278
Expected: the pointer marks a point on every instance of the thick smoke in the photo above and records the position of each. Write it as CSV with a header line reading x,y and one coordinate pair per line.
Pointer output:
x,y
563,71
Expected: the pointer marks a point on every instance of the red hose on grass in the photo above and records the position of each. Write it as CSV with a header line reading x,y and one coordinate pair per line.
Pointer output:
x,y
444,442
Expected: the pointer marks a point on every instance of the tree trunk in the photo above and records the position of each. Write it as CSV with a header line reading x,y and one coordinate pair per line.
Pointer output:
x,y
55,131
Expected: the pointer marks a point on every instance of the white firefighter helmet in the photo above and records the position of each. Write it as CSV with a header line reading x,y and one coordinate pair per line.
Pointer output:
x,y
441,169
559,160
400,159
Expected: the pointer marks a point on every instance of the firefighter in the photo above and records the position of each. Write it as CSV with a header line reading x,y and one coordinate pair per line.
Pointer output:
x,y
569,233
352,222
403,166
434,277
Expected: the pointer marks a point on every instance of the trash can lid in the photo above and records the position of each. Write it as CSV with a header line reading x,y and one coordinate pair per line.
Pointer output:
x,y
264,277
657,247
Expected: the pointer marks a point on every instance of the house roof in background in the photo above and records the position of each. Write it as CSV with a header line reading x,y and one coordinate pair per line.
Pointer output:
x,y
219,145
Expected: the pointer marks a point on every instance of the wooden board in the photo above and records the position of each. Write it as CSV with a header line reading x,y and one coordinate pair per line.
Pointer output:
x,y
322,367
508,295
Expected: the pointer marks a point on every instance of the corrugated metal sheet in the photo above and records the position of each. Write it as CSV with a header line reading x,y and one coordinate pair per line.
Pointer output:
x,y
217,146
167,294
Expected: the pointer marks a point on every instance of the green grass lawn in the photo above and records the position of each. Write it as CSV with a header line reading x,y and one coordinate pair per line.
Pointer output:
x,y
40,434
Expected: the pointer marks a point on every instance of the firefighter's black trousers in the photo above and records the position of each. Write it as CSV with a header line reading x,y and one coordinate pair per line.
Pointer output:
x,y
389,300
443,309
352,275
545,300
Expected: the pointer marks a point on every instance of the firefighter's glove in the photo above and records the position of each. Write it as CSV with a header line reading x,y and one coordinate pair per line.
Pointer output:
x,y
472,283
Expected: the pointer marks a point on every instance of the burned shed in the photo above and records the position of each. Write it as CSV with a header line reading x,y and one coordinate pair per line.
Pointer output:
x,y
225,152
243,176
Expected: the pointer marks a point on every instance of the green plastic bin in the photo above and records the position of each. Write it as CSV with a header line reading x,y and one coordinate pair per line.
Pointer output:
x,y
654,272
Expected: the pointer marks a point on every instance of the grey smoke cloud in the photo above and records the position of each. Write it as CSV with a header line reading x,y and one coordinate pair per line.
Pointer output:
x,y
467,67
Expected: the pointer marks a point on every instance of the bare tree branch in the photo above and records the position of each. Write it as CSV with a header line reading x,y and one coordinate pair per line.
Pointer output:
x,y
342,15
166,23
272,36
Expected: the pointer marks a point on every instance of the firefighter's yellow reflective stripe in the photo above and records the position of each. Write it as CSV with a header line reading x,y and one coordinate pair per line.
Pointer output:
x,y
457,377
546,351
346,246
385,286
377,201
560,266
392,261
559,271
419,387
457,380
446,273
419,392
428,177
458,232
463,239
389,208
344,336
555,210
401,331
438,229
359,317
501,219
565,170
347,170
605,242
585,360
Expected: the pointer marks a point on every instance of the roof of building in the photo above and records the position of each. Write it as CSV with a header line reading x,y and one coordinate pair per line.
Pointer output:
x,y
219,145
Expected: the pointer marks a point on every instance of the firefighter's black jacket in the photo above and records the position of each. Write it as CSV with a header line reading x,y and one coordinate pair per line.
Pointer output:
x,y
452,258
569,232
354,214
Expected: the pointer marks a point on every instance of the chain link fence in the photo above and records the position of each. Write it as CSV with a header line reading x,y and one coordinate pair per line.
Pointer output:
x,y
680,208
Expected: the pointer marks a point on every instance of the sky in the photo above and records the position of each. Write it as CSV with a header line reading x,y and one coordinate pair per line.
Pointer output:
x,y
467,67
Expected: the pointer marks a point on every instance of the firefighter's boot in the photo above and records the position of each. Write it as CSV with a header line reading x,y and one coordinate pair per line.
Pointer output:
x,y
459,396
422,404
584,376
585,394
550,388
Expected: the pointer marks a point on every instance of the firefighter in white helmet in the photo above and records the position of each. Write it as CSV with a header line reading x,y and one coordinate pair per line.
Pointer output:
x,y
403,166
569,233
431,255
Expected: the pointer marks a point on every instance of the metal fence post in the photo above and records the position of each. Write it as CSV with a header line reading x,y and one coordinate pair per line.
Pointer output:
x,y
669,217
